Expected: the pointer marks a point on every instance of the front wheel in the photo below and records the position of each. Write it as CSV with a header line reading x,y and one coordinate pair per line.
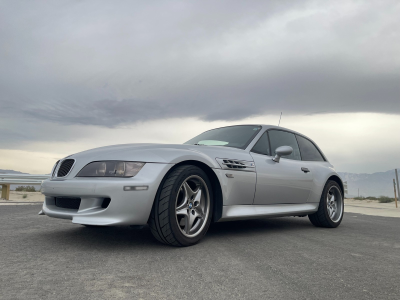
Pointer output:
x,y
331,207
183,207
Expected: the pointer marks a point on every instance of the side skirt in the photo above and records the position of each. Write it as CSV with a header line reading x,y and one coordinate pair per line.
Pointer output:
x,y
237,212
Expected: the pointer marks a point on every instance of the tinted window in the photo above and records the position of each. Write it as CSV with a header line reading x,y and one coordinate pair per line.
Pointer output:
x,y
262,146
232,136
308,150
282,138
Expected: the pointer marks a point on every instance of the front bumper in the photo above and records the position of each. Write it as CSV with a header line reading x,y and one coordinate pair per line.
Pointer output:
x,y
125,208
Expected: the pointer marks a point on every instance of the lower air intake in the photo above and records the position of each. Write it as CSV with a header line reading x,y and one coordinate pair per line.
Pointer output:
x,y
105,203
69,203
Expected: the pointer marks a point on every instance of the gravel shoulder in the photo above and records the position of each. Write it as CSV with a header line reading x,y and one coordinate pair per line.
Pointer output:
x,y
17,198
372,208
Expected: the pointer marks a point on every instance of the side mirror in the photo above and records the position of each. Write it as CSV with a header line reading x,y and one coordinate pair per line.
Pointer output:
x,y
282,151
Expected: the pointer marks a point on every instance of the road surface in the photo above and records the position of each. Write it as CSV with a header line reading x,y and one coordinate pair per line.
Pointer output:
x,y
283,258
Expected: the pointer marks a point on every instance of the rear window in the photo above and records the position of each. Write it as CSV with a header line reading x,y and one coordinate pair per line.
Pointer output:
x,y
308,150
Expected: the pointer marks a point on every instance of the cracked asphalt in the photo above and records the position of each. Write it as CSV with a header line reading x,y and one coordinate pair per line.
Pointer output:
x,y
283,258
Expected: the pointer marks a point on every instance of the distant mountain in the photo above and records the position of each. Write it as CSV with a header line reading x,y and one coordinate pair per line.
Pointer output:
x,y
375,184
10,172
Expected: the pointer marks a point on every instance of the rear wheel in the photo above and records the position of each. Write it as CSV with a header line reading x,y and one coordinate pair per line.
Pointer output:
x,y
331,207
183,207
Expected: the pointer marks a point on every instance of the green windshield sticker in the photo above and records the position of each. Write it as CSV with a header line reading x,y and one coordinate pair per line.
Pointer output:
x,y
212,143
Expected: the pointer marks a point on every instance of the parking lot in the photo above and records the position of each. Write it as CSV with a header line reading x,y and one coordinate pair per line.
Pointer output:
x,y
283,258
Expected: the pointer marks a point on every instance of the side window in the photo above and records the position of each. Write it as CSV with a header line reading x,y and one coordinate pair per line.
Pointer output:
x,y
262,146
308,150
282,138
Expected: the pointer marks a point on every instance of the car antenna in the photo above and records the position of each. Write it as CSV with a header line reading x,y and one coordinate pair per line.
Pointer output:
x,y
280,119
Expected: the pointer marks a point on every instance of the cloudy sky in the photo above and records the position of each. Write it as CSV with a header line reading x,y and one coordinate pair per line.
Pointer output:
x,y
81,74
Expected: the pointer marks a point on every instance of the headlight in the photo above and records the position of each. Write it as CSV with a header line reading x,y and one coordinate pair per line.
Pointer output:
x,y
111,168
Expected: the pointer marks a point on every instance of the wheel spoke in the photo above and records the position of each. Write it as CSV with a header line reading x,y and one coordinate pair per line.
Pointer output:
x,y
330,212
188,191
182,211
190,220
198,213
187,224
198,196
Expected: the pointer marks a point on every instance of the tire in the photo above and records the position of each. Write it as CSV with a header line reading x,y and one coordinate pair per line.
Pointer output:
x,y
325,216
182,209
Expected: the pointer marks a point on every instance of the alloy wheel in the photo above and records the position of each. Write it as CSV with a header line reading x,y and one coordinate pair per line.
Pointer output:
x,y
334,202
192,206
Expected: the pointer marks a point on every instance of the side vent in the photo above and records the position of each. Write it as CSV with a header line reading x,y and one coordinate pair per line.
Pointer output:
x,y
234,164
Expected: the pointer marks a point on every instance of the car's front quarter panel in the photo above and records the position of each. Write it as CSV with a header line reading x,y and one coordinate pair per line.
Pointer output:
x,y
134,207
238,188
125,208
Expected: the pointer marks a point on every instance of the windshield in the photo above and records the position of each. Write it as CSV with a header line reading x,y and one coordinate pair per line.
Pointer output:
x,y
233,136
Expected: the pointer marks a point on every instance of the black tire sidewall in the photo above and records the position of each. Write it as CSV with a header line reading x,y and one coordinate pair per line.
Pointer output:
x,y
179,236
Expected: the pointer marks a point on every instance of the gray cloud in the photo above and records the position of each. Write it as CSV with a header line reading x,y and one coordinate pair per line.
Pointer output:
x,y
112,63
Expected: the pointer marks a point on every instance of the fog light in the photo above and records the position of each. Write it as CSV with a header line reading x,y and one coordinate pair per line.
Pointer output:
x,y
136,188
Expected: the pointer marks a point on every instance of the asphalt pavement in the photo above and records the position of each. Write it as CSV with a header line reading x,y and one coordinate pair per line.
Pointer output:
x,y
282,258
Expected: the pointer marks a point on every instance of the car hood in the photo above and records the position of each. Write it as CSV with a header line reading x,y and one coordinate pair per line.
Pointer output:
x,y
159,153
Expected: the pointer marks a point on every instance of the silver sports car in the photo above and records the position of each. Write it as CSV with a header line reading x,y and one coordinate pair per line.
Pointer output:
x,y
228,173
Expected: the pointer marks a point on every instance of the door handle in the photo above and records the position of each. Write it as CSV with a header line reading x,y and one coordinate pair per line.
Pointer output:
x,y
305,170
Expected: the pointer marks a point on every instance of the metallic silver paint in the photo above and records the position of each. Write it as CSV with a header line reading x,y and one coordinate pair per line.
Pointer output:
x,y
281,183
282,151
237,212
125,207
272,189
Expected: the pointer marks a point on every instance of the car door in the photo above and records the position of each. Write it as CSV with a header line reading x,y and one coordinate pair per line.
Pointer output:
x,y
315,161
286,182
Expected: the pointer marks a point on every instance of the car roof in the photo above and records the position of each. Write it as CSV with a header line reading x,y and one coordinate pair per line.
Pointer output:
x,y
266,127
